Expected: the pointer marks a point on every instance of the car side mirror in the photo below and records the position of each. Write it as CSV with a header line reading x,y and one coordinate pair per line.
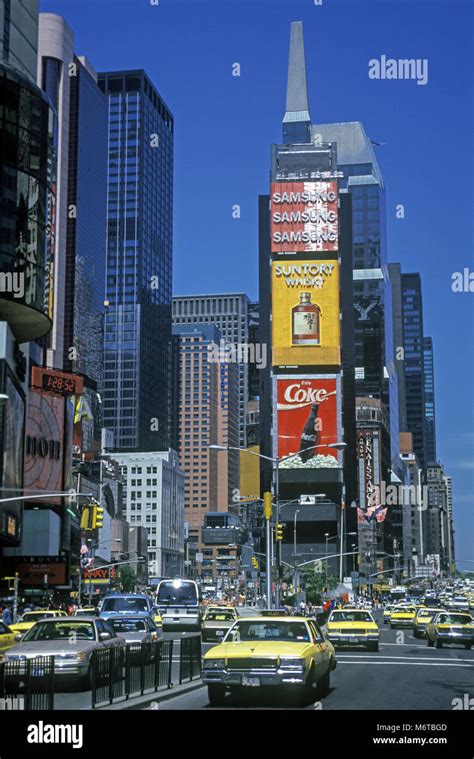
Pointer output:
x,y
18,636
105,636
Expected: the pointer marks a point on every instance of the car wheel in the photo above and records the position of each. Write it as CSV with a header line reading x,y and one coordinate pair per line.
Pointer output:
x,y
430,643
416,634
216,695
468,646
324,684
373,647
439,644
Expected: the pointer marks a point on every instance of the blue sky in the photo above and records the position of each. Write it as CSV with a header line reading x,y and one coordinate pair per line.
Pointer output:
x,y
224,127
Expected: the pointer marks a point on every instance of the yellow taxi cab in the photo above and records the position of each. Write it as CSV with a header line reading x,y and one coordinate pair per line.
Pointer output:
x,y
157,618
217,622
402,616
353,627
30,618
87,611
387,612
290,654
451,627
7,637
423,617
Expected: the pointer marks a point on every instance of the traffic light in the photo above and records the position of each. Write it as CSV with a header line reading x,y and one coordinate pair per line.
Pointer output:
x,y
267,505
254,562
97,517
86,518
279,528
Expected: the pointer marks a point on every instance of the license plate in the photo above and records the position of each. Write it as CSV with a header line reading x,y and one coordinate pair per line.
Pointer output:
x,y
252,682
219,632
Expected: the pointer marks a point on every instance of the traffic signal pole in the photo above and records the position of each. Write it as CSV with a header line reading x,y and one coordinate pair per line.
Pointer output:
x,y
267,512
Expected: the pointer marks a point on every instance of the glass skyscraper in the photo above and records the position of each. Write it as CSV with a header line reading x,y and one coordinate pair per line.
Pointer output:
x,y
137,356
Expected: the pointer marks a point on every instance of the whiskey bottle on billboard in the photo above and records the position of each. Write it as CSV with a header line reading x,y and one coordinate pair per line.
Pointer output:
x,y
305,322
310,434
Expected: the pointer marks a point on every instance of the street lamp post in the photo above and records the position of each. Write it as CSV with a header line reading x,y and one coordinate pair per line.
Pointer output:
x,y
276,463
294,550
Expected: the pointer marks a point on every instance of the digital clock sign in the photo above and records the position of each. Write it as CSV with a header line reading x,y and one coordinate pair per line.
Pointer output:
x,y
61,383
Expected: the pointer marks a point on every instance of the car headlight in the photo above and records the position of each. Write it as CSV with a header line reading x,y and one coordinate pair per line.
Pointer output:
x,y
213,663
292,664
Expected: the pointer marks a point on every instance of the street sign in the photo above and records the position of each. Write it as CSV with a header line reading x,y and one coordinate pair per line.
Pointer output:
x,y
199,557
307,500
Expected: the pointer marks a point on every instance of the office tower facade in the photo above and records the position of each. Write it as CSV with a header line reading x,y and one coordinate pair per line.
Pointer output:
x,y
137,354
412,309
230,313
398,349
154,498
306,300
429,400
28,146
205,406
439,523
451,546
19,35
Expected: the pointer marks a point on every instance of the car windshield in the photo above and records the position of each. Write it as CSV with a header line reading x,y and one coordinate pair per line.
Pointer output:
x,y
184,593
404,610
66,631
425,613
86,613
285,631
128,625
221,615
350,616
125,604
35,616
453,619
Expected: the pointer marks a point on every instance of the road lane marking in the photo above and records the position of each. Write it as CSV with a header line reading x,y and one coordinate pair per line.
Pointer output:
x,y
417,658
408,663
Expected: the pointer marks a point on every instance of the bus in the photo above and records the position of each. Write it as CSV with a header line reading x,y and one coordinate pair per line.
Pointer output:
x,y
178,604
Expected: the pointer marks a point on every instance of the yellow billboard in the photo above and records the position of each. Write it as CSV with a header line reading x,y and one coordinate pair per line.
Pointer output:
x,y
305,313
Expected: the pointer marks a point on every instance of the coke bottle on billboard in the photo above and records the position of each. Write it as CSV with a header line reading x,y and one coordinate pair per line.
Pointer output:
x,y
310,434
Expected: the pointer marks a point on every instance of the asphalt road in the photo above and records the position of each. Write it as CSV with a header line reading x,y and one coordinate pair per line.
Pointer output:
x,y
403,674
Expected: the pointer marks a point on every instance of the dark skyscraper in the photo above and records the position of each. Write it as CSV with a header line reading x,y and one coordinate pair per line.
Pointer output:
x,y
137,381
412,305
85,231
430,414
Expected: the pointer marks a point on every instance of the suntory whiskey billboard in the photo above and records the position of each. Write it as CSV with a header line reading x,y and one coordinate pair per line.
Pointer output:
x,y
305,313
304,217
308,421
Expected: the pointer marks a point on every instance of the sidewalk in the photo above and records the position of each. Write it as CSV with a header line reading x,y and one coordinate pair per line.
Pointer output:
x,y
83,701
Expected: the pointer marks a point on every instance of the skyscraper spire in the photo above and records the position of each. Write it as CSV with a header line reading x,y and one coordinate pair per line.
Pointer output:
x,y
296,121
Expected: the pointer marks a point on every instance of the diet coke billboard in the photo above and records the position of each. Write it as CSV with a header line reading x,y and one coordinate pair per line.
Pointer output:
x,y
308,412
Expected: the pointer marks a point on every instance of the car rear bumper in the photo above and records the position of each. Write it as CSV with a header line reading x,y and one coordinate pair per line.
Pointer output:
x,y
353,640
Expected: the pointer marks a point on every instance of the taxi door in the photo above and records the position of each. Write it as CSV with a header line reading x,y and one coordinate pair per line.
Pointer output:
x,y
321,654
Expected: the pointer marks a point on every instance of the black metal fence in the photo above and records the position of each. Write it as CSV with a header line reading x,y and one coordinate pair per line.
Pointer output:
x,y
142,667
27,684
122,672
116,673
190,658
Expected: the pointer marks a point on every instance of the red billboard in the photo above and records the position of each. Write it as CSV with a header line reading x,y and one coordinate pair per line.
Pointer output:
x,y
308,411
304,216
